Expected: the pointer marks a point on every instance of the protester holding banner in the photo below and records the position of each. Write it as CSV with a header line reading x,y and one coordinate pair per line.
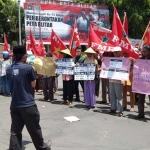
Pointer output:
x,y
127,87
79,59
145,55
67,81
116,90
105,82
48,82
89,86
4,84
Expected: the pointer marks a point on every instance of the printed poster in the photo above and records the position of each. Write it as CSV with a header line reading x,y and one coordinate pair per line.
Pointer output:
x,y
65,66
115,68
84,72
141,77
42,18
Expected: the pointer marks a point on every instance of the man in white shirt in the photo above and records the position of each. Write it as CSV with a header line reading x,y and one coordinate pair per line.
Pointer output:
x,y
82,22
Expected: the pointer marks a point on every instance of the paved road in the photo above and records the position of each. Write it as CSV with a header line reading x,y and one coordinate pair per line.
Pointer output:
x,y
96,129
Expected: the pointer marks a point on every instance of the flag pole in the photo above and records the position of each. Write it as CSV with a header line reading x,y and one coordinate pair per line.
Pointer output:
x,y
70,47
113,4
143,35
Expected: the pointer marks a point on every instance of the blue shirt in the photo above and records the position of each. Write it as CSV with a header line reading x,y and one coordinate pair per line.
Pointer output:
x,y
20,77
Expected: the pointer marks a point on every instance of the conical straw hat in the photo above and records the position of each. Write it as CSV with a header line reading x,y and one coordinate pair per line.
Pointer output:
x,y
90,50
66,51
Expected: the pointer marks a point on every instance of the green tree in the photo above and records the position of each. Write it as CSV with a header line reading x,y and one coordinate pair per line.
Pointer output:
x,y
138,12
9,20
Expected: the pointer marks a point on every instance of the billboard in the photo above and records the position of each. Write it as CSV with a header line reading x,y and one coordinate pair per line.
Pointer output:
x,y
41,18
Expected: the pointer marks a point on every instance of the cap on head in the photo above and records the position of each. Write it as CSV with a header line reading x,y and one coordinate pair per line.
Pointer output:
x,y
5,54
117,49
19,50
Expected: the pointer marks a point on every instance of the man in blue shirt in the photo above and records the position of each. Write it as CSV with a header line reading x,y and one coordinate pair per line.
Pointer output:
x,y
24,111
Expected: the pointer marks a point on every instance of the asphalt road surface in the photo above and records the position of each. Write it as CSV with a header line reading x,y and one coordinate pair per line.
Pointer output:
x,y
96,129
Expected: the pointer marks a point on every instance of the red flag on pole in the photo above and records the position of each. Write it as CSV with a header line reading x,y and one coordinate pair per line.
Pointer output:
x,y
6,46
41,48
96,43
115,25
56,45
146,36
35,50
75,41
125,23
119,36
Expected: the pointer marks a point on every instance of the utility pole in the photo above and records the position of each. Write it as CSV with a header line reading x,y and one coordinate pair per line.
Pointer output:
x,y
19,19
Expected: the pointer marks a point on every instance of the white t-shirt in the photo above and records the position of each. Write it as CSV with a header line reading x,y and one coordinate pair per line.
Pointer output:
x,y
82,24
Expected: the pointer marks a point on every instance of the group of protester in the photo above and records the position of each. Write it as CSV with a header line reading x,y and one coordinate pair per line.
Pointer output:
x,y
21,79
114,92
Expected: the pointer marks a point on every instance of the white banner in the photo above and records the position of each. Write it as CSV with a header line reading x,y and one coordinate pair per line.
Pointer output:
x,y
65,66
84,72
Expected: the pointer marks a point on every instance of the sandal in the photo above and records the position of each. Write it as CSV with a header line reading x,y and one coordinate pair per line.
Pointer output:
x,y
111,111
145,105
120,114
132,110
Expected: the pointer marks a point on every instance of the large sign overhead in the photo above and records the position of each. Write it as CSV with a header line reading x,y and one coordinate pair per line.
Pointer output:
x,y
41,17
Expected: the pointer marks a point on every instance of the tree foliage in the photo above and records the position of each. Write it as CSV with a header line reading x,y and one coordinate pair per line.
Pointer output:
x,y
138,12
9,20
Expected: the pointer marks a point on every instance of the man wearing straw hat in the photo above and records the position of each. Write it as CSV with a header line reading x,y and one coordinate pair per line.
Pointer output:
x,y
23,110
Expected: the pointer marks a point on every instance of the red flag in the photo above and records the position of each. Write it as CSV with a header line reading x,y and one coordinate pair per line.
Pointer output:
x,y
115,25
102,32
28,47
35,50
41,48
125,23
96,43
146,37
75,41
119,37
56,45
6,46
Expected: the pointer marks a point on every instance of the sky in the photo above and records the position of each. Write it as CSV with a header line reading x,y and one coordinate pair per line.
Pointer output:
x,y
21,2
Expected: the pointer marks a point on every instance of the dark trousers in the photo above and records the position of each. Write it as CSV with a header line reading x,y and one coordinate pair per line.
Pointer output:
x,y
30,117
97,85
48,88
68,90
105,87
76,88
38,83
55,84
141,102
